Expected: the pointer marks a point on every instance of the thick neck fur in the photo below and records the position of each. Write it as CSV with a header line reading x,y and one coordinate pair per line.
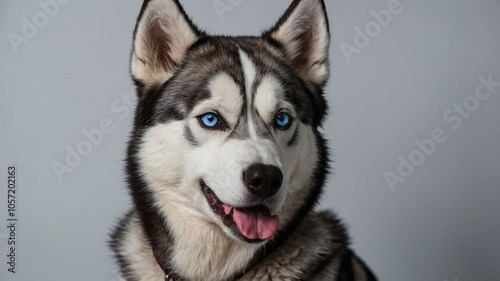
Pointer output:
x,y
199,250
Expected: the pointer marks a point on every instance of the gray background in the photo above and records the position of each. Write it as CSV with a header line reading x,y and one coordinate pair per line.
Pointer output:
x,y
441,223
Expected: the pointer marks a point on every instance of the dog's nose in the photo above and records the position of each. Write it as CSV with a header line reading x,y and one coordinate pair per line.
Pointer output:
x,y
263,180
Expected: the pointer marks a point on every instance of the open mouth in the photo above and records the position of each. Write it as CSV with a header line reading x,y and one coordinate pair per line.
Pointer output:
x,y
252,224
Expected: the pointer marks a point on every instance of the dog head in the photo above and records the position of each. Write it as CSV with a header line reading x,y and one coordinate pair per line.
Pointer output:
x,y
226,127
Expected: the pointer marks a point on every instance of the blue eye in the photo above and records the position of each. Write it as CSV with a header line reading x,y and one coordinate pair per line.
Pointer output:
x,y
210,120
283,120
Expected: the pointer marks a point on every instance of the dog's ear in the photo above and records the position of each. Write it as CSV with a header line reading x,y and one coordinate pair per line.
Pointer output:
x,y
163,35
304,33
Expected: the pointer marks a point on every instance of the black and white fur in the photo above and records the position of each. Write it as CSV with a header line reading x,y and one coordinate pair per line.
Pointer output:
x,y
181,73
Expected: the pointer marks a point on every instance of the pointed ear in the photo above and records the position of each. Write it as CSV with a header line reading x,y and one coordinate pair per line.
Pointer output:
x,y
304,33
163,35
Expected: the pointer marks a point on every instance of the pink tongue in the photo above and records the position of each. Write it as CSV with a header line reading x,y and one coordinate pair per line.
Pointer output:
x,y
255,224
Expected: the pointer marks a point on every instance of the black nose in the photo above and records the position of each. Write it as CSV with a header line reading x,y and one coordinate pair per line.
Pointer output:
x,y
263,180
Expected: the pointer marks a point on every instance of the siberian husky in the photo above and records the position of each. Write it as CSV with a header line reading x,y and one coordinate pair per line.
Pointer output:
x,y
226,162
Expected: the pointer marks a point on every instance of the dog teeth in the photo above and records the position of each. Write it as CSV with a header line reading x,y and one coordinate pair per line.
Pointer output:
x,y
227,209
